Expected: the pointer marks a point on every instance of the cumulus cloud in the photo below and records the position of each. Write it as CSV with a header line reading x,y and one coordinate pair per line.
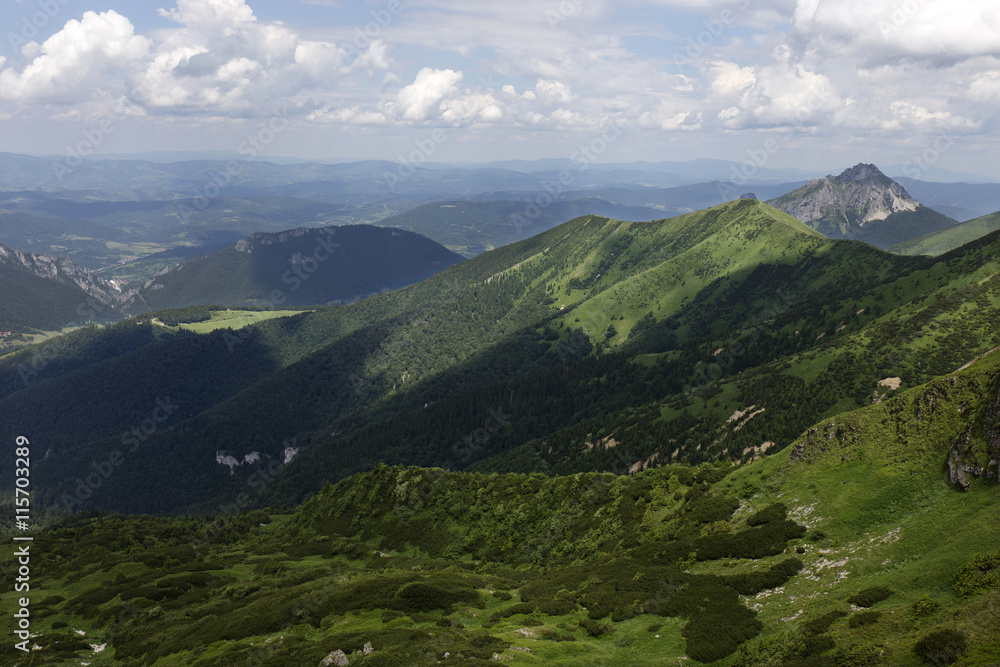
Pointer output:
x,y
71,64
783,93
858,67
224,59
438,95
886,30
422,98
729,78
554,92
219,59
986,86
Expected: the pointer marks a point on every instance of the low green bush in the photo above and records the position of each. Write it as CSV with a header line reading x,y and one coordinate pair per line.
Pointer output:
x,y
818,626
556,607
864,618
423,596
941,647
514,609
717,632
595,629
870,596
980,574
770,514
925,606
752,583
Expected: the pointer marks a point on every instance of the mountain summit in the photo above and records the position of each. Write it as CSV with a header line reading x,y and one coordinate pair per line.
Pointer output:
x,y
864,204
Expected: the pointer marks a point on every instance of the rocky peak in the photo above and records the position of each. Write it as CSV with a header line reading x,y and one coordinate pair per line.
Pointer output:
x,y
859,172
843,206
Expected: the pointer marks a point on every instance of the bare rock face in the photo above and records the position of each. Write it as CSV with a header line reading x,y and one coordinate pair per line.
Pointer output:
x,y
966,460
62,270
861,203
857,197
336,659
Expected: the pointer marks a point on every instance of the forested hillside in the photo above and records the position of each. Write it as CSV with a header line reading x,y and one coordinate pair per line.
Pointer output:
x,y
714,335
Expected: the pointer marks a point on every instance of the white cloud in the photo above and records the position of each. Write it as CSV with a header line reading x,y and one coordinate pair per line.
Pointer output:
x,y
554,92
208,13
729,78
784,93
667,119
885,30
71,64
224,60
986,87
422,99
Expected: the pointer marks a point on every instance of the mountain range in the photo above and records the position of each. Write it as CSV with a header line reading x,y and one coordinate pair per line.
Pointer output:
x,y
691,300
718,437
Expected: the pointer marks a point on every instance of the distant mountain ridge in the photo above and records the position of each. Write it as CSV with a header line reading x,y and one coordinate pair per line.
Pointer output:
x,y
863,204
937,243
302,266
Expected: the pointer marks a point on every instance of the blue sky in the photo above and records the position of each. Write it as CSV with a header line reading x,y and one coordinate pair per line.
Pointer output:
x,y
817,84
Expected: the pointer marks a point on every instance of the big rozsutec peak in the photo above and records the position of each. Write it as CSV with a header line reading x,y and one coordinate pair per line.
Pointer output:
x,y
861,172
861,203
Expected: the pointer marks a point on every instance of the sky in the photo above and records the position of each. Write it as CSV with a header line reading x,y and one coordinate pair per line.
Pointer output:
x,y
781,83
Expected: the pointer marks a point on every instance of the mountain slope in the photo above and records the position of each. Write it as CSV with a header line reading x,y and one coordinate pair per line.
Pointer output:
x,y
300,267
523,316
940,242
47,292
864,204
851,547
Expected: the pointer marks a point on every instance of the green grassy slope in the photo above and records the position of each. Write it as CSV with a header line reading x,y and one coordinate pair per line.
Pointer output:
x,y
848,548
948,239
